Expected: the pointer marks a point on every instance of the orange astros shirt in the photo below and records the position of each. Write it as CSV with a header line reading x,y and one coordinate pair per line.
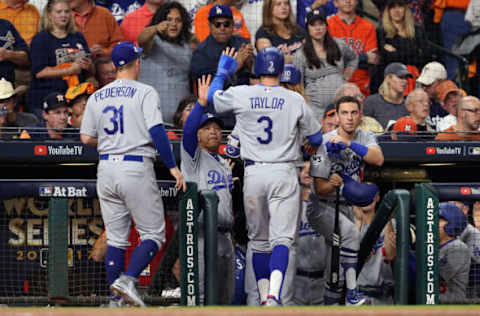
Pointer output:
x,y
361,37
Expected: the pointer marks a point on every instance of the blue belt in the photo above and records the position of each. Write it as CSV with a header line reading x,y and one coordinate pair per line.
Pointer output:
x,y
224,230
124,157
249,162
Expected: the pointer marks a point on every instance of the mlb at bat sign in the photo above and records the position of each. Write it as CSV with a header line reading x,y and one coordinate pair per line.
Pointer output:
x,y
63,191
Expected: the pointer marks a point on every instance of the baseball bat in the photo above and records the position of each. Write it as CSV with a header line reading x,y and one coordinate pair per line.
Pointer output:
x,y
335,260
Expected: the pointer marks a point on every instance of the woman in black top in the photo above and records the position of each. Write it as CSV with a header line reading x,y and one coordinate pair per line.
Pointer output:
x,y
399,40
279,30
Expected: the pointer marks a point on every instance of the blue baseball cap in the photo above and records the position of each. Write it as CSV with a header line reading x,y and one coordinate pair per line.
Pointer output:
x,y
290,74
207,117
220,10
54,100
125,52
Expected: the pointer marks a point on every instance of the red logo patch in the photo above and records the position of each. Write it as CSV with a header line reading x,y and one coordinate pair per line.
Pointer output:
x,y
40,150
465,191
221,149
430,150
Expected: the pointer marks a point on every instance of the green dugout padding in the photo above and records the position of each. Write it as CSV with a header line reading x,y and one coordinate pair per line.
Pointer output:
x,y
58,249
426,206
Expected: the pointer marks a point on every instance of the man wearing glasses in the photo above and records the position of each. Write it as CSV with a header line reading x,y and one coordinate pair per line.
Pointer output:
x,y
468,121
205,58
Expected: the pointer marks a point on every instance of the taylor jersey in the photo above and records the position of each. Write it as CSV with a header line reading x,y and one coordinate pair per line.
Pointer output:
x,y
211,172
269,119
120,115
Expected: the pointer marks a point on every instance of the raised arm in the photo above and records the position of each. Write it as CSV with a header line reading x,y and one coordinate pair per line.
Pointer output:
x,y
190,130
226,67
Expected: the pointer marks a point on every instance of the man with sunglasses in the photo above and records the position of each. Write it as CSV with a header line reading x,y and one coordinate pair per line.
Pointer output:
x,y
205,58
468,121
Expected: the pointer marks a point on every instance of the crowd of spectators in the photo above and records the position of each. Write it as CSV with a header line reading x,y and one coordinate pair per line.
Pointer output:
x,y
51,46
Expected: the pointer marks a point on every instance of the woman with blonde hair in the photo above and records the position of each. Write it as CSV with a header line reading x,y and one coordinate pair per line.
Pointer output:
x,y
400,40
388,104
279,30
59,54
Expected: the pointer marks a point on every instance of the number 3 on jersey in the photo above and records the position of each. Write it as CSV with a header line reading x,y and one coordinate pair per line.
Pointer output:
x,y
116,119
267,130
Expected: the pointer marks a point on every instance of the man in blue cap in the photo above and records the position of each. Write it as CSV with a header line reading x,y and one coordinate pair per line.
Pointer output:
x,y
205,58
201,163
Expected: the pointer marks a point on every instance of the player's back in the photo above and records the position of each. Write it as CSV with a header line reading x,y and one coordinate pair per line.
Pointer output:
x,y
270,120
122,113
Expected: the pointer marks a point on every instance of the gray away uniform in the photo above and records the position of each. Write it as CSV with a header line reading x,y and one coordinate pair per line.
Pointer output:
x,y
309,282
212,172
471,237
120,115
453,268
376,278
321,210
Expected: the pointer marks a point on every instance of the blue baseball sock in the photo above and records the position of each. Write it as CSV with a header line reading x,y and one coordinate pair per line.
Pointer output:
x,y
114,262
278,266
260,261
141,257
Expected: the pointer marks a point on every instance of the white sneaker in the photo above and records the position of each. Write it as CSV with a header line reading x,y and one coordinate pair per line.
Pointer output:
x,y
272,301
124,286
172,293
354,299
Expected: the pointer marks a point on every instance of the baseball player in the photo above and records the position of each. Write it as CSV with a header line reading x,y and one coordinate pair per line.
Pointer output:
x,y
375,281
471,237
124,121
330,172
454,256
201,163
269,120
309,281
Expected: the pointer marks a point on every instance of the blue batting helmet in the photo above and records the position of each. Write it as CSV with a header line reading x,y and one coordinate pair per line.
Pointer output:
x,y
290,74
269,62
457,221
356,193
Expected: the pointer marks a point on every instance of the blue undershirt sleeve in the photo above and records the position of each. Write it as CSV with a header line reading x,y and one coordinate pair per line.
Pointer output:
x,y
190,130
162,144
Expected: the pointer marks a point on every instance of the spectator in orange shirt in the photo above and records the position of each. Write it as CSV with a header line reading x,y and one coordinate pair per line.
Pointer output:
x,y
200,21
468,121
23,15
360,35
97,25
135,22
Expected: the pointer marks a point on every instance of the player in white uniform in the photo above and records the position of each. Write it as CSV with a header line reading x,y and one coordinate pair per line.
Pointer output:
x,y
201,163
310,278
329,172
454,256
124,121
269,120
